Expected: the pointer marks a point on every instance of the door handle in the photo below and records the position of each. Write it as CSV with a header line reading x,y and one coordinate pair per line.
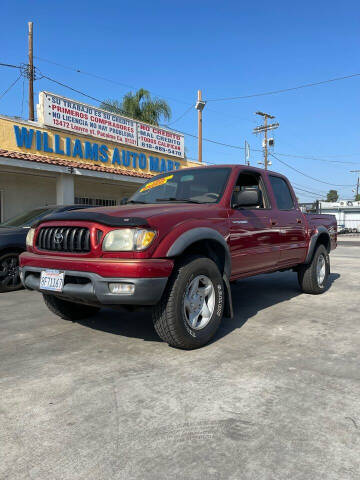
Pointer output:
x,y
298,220
273,222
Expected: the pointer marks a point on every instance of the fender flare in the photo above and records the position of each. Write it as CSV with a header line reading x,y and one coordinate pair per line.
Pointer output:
x,y
203,233
313,241
195,235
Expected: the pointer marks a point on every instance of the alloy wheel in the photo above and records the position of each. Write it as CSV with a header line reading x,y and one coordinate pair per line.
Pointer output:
x,y
321,270
9,272
199,302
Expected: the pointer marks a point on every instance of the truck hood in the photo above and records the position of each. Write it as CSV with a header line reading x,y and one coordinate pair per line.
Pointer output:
x,y
152,210
130,215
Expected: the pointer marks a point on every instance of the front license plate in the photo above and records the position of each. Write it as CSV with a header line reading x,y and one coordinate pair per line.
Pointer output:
x,y
52,280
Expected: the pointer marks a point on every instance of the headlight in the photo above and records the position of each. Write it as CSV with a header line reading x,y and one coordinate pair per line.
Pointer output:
x,y
127,239
30,237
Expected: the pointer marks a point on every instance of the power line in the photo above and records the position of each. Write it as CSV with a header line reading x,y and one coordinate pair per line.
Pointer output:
x,y
70,88
212,141
272,92
97,99
22,98
307,194
9,65
115,82
345,155
307,191
237,147
77,91
259,150
305,186
77,70
308,157
183,115
105,103
10,87
305,175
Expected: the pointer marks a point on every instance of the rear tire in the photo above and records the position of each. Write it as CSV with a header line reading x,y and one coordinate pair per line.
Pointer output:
x,y
191,308
68,310
314,278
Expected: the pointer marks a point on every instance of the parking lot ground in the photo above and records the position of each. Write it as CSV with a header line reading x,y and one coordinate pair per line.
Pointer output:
x,y
350,240
275,396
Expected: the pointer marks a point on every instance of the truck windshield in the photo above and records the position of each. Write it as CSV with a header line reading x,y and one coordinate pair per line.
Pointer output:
x,y
201,185
26,219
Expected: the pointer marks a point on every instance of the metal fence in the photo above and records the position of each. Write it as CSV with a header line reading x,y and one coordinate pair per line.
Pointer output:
x,y
99,202
348,224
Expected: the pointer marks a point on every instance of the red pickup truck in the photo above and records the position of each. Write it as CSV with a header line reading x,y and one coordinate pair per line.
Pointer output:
x,y
175,246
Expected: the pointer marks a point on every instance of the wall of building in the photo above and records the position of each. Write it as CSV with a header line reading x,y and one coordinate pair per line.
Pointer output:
x,y
347,213
51,181
33,138
103,189
21,192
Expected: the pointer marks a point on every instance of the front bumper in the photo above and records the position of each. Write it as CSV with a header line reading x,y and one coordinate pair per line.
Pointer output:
x,y
93,289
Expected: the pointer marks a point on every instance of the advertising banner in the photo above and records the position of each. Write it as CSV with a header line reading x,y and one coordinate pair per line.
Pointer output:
x,y
76,117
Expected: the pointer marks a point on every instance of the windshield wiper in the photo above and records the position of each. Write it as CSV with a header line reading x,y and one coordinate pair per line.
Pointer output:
x,y
180,200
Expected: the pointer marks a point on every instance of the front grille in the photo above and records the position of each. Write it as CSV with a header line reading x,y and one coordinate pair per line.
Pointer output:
x,y
64,239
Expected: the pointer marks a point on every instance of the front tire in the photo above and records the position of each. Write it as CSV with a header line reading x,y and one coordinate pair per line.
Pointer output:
x,y
314,278
191,308
9,272
68,310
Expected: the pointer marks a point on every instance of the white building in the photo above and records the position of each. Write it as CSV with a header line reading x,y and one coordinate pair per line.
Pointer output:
x,y
347,213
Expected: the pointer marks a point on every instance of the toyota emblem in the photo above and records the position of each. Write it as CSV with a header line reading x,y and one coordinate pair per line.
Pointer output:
x,y
59,237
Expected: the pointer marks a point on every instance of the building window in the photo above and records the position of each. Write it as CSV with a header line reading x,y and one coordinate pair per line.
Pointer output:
x,y
98,202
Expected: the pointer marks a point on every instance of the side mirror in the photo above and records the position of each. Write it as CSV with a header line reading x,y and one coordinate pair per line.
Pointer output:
x,y
124,200
247,198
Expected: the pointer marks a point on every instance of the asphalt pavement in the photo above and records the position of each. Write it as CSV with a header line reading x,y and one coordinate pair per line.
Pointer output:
x,y
276,395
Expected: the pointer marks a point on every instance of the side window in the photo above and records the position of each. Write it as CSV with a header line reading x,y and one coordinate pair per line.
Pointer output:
x,y
282,193
250,181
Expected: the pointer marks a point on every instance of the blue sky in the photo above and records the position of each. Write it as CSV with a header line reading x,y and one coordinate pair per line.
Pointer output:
x,y
227,49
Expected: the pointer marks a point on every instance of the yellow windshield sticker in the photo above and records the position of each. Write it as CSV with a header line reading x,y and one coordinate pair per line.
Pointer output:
x,y
156,183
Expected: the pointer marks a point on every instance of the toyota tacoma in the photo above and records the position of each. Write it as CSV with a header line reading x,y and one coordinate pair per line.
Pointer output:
x,y
175,246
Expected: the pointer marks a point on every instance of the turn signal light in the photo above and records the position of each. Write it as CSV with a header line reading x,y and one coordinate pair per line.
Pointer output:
x,y
122,288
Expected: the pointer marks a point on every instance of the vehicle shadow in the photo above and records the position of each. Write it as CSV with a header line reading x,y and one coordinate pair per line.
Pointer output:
x,y
137,324
254,294
250,296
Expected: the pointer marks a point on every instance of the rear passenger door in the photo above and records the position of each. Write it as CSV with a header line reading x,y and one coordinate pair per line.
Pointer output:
x,y
290,222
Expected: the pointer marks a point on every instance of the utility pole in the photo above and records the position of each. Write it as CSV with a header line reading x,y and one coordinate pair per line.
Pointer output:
x,y
31,73
247,153
357,183
200,104
264,129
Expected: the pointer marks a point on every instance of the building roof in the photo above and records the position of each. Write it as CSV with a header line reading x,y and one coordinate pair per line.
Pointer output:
x,y
340,204
71,163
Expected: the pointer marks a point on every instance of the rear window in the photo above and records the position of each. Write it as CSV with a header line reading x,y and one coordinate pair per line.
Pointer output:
x,y
282,193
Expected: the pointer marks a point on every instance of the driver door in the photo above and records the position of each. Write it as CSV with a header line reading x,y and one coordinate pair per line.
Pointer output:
x,y
254,233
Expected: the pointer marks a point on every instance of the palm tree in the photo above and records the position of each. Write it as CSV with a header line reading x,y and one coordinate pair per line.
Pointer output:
x,y
140,106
